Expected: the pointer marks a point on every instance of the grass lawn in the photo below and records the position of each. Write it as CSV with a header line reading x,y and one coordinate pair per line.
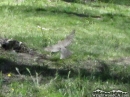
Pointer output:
x,y
101,48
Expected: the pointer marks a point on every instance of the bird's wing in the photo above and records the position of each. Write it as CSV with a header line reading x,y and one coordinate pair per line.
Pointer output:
x,y
67,41
53,48
64,53
60,44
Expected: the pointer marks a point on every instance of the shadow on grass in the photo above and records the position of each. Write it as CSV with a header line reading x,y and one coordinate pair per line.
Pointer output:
x,y
28,11
35,11
7,66
79,1
119,2
116,16
57,10
103,73
69,13
72,1
61,12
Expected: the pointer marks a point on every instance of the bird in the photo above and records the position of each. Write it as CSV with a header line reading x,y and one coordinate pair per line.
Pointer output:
x,y
62,46
9,44
65,53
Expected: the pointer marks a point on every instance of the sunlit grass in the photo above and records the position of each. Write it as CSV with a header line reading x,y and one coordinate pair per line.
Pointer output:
x,y
24,20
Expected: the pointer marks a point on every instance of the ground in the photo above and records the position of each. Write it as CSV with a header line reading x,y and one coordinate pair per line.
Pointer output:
x,y
100,58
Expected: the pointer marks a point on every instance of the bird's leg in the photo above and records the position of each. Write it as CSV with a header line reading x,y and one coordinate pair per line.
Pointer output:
x,y
50,53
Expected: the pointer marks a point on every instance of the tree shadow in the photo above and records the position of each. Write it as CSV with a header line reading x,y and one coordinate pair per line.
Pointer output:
x,y
53,10
80,1
119,2
7,66
123,2
71,1
47,11
102,71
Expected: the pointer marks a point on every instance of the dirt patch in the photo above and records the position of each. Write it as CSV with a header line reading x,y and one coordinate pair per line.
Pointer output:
x,y
47,68
121,61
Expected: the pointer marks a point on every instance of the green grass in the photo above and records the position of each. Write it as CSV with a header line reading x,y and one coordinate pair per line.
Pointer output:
x,y
102,33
